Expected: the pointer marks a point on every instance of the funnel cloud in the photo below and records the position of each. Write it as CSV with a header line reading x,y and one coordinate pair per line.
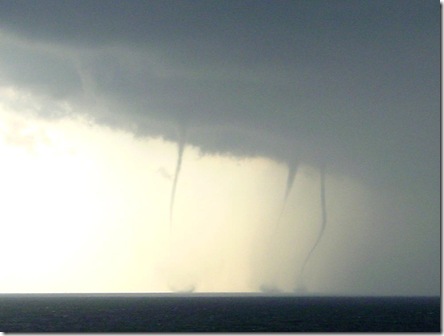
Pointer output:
x,y
292,169
180,150
301,286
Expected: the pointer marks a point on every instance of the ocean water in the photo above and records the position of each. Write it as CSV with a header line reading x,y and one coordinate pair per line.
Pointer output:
x,y
217,313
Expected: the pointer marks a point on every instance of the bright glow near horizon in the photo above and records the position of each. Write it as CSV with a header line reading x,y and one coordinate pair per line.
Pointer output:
x,y
85,208
84,204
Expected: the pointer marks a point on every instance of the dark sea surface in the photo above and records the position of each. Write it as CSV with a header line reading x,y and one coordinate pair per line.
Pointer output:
x,y
216,313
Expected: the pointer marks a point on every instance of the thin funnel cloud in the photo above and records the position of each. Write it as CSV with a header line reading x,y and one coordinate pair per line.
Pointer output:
x,y
323,224
292,170
181,148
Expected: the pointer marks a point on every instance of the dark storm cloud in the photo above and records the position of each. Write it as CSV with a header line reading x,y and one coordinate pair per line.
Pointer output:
x,y
355,83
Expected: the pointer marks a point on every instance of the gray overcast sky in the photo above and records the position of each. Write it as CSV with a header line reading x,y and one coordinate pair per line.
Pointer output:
x,y
358,80
354,84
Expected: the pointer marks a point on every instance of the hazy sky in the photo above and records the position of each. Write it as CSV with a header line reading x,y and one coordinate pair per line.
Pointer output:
x,y
94,96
